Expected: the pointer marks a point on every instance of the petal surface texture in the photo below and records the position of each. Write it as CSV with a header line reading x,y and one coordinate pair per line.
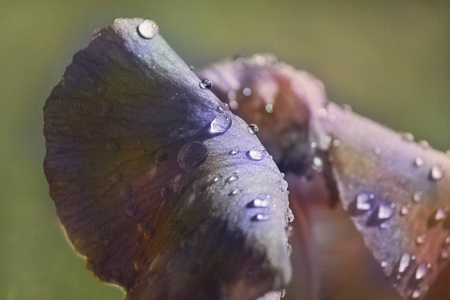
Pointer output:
x,y
394,190
156,182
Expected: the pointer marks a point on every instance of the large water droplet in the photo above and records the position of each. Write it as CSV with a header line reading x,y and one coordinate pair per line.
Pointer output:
x,y
133,210
192,155
148,29
436,173
253,129
255,154
258,203
220,124
205,84
404,262
362,204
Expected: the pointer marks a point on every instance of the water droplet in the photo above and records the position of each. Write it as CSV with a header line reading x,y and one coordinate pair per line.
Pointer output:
x,y
289,231
289,249
133,210
232,178
421,271
436,173
256,155
247,92
233,152
234,192
418,162
440,215
424,144
404,210
290,216
253,129
220,124
363,201
148,29
283,293
191,68
336,143
420,240
447,240
417,196
407,136
384,264
192,155
385,211
217,178
205,84
405,260
258,203
137,266
445,253
317,164
269,108
416,294
260,217
126,192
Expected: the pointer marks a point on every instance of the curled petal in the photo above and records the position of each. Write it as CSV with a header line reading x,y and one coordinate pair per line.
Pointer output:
x,y
151,178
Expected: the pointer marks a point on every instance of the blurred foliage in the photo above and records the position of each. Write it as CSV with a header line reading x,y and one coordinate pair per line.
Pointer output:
x,y
387,59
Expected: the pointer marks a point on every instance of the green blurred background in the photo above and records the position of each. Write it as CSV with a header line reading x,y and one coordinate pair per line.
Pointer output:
x,y
389,60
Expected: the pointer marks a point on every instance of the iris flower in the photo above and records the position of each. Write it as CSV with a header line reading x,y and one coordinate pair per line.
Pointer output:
x,y
170,183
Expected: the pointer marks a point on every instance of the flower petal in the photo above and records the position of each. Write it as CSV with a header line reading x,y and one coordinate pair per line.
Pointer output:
x,y
151,179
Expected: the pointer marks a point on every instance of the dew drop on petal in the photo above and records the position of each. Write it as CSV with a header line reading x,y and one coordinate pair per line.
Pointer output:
x,y
385,211
269,108
436,173
417,196
416,294
404,210
260,217
440,215
148,29
258,203
421,271
363,202
289,249
256,155
283,293
253,129
384,264
424,144
234,192
420,239
233,152
290,216
220,124
192,155
404,262
232,178
205,84
407,136
418,162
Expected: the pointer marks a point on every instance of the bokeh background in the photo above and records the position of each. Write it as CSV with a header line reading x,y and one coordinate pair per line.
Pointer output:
x,y
388,59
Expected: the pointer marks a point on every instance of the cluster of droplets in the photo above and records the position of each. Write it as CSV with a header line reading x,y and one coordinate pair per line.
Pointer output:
x,y
380,211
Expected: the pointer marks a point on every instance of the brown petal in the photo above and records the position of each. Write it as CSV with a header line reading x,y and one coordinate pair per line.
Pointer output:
x,y
152,179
